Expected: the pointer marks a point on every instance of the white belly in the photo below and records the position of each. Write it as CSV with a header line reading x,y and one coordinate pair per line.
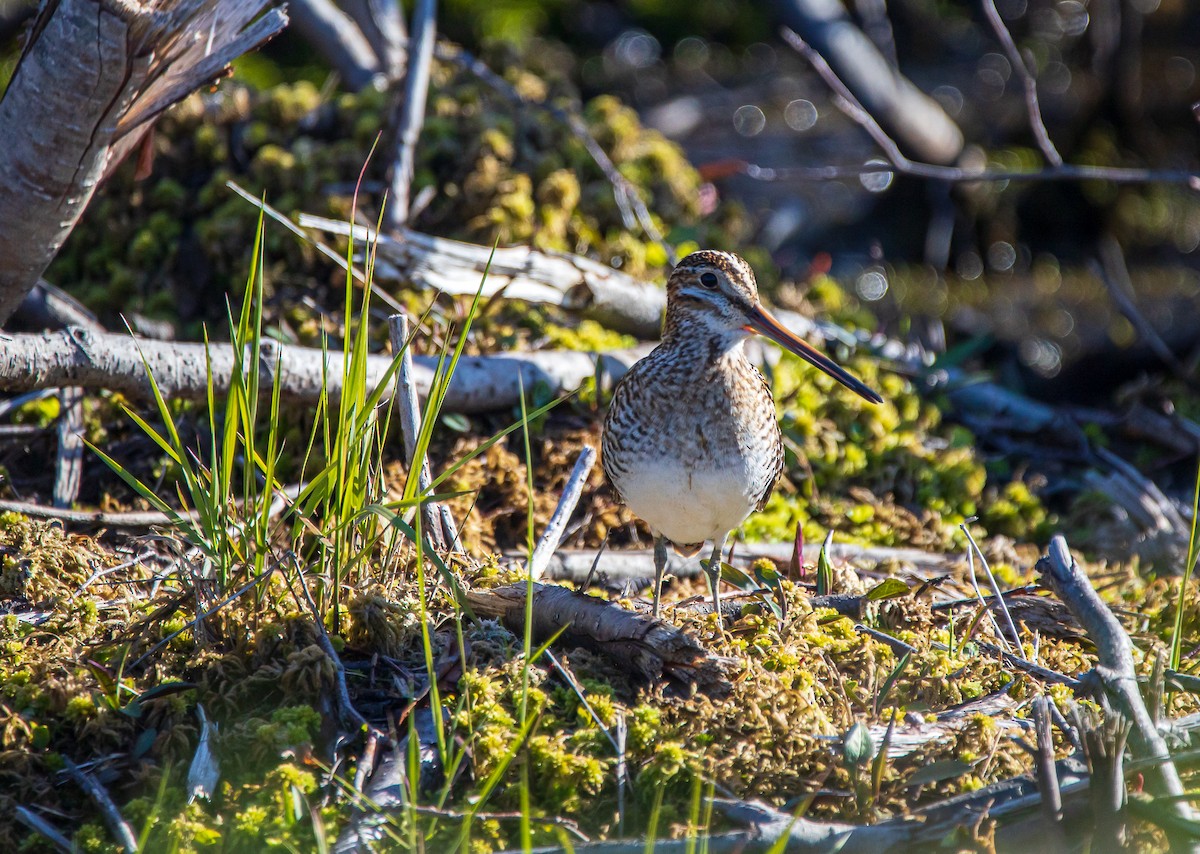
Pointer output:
x,y
688,505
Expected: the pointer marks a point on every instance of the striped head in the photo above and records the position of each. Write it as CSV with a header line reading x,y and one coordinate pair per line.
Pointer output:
x,y
713,291
715,295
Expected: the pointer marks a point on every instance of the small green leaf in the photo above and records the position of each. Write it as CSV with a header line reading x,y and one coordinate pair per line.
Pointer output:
x,y
767,575
457,422
857,745
825,568
144,742
730,574
742,581
936,772
889,588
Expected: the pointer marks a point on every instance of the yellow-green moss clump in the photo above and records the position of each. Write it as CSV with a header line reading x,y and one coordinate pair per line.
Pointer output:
x,y
173,244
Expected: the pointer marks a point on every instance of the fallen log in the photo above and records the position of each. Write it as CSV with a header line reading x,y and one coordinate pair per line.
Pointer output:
x,y
117,362
573,282
635,564
651,648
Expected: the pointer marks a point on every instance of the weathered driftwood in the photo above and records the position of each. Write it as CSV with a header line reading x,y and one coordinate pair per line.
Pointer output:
x,y
1114,676
1013,803
115,362
650,648
93,75
574,282
627,564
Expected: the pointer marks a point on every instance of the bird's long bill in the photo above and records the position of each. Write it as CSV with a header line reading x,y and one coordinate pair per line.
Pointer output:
x,y
763,322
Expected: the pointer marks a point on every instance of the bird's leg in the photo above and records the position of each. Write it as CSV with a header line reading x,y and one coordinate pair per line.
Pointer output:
x,y
714,574
660,567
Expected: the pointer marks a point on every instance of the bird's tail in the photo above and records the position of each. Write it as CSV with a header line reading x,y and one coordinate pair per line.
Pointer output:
x,y
687,549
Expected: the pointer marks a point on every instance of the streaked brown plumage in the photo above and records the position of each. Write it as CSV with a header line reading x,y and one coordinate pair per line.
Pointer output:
x,y
691,442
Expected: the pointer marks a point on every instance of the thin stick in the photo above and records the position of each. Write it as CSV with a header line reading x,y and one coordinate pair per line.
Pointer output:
x,y
552,536
1028,666
845,101
112,816
1027,81
69,460
1113,272
438,522
39,825
953,174
140,519
348,715
1003,603
412,111
1115,666
1047,773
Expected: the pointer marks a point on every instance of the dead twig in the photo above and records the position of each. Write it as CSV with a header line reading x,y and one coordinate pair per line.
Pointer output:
x,y
998,597
439,524
553,534
1114,674
1067,173
1113,272
84,518
412,111
1047,773
112,816
1028,83
48,831
911,116
68,467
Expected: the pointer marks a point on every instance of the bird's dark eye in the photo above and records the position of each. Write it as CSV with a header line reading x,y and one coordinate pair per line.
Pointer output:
x,y
709,280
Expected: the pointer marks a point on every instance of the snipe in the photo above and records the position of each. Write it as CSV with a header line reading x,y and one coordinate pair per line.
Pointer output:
x,y
691,442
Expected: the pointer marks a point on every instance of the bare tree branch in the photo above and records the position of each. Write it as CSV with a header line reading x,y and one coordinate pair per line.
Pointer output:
x,y
913,117
337,37
1028,83
412,112
1066,173
382,23
439,524
1115,669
